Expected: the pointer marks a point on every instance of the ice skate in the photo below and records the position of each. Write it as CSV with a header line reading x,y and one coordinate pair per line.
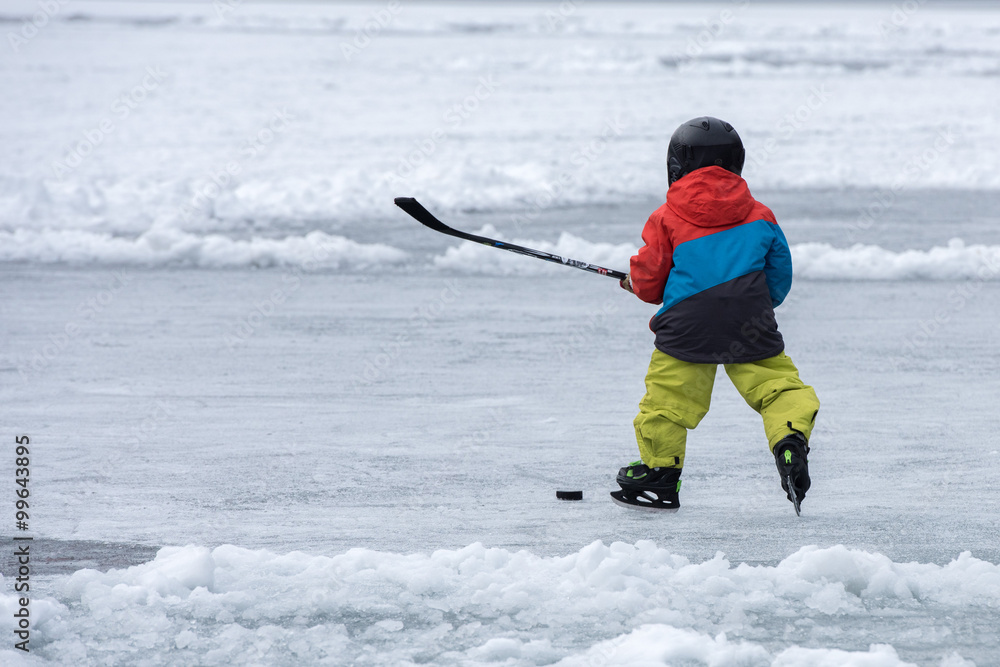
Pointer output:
x,y
648,488
790,456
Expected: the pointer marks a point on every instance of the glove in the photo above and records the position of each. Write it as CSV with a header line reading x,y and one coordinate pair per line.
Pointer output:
x,y
626,283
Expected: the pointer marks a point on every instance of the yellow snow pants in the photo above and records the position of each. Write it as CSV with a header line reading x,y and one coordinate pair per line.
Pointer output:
x,y
678,395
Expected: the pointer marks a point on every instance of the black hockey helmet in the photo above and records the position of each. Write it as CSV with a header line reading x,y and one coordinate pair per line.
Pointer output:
x,y
704,142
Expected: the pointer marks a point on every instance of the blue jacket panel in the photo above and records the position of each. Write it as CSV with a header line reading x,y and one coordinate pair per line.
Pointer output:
x,y
712,260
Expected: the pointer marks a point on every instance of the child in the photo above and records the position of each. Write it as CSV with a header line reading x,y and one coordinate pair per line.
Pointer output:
x,y
718,262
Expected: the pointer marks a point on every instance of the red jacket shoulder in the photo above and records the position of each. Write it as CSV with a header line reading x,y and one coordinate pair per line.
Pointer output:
x,y
649,268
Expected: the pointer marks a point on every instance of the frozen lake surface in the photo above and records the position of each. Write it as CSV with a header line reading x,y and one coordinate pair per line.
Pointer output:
x,y
275,421
346,419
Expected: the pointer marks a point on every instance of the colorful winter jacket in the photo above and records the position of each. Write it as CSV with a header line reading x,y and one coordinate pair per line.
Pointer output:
x,y
718,262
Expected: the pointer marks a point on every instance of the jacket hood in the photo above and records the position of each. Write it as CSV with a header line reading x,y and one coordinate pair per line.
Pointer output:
x,y
710,197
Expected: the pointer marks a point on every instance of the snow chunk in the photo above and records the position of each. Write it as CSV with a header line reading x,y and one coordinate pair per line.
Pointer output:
x,y
877,656
663,645
176,571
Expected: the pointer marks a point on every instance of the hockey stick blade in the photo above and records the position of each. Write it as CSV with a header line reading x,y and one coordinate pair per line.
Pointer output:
x,y
416,210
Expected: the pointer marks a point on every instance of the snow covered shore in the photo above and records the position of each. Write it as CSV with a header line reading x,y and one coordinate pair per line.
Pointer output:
x,y
316,250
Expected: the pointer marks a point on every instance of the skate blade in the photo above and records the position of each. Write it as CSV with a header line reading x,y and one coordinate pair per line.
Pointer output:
x,y
620,498
795,497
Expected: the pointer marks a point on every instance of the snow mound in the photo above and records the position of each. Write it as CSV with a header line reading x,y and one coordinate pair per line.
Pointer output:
x,y
617,604
666,645
173,247
811,261
957,261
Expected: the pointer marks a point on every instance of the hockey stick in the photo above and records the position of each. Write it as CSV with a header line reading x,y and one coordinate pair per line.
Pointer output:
x,y
424,217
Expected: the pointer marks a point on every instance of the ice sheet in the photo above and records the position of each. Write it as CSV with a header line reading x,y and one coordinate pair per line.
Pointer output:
x,y
359,411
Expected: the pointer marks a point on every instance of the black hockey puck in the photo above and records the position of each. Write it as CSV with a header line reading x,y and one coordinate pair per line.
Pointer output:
x,y
569,495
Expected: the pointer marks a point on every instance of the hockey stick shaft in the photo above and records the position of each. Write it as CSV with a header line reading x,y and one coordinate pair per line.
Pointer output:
x,y
416,210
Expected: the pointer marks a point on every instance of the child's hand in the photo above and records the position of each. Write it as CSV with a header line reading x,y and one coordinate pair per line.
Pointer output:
x,y
626,283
